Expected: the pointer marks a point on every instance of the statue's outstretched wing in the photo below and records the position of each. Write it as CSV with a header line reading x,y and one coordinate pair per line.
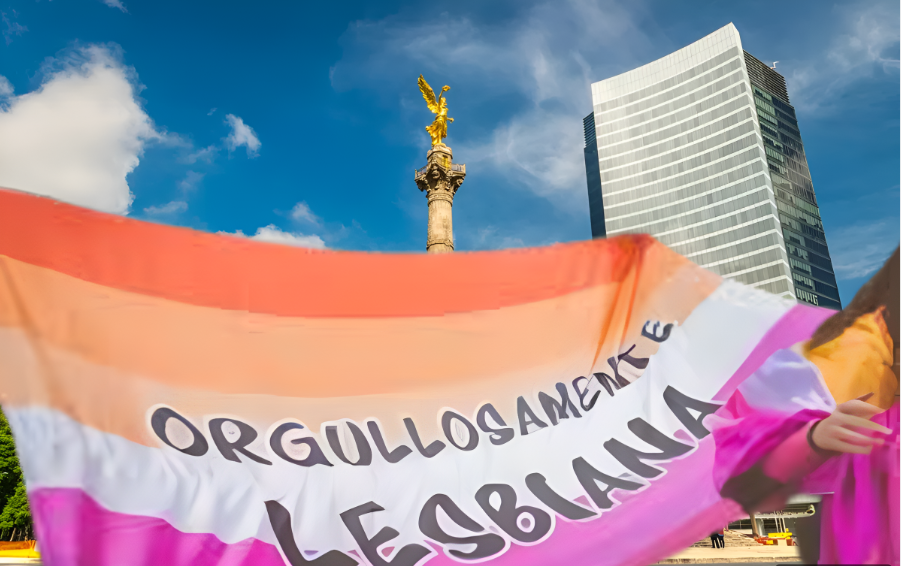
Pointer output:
x,y
429,95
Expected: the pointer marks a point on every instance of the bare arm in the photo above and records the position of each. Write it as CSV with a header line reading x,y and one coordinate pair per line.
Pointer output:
x,y
774,478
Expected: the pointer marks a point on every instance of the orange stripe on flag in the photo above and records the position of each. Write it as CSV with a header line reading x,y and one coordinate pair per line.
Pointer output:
x,y
240,274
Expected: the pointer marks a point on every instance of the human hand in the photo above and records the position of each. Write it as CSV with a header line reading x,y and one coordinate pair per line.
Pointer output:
x,y
839,431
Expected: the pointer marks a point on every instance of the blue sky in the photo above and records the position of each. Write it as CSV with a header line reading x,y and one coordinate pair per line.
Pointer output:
x,y
301,122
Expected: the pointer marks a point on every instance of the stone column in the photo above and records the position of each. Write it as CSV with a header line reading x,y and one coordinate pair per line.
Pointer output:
x,y
440,179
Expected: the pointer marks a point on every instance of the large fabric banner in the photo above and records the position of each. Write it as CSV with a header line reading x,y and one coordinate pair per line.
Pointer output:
x,y
179,397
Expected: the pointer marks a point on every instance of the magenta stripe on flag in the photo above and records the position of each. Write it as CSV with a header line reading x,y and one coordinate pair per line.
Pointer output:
x,y
73,530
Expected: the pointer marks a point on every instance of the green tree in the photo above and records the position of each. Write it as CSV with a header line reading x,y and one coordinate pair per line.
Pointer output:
x,y
16,515
10,472
15,512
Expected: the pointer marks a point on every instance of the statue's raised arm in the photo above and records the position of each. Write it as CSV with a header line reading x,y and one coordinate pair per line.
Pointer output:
x,y
438,128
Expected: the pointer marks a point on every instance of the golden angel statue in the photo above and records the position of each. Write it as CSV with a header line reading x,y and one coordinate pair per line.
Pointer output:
x,y
437,129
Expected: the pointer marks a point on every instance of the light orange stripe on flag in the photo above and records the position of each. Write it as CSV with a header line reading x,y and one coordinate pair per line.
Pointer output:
x,y
238,352
111,400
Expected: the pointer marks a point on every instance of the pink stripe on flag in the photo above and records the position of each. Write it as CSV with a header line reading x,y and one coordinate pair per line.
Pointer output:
x,y
75,530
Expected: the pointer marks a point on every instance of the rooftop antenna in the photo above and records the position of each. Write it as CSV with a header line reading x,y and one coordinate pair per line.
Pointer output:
x,y
774,65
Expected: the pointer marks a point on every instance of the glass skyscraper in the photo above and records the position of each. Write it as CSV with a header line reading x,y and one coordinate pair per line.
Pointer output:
x,y
701,149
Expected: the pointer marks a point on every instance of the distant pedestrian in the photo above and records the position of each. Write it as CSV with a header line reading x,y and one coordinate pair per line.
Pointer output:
x,y
721,537
715,540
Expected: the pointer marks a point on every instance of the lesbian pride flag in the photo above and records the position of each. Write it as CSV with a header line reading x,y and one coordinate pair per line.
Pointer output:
x,y
179,397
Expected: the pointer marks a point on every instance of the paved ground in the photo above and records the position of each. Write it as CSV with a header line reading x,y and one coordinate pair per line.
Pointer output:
x,y
745,554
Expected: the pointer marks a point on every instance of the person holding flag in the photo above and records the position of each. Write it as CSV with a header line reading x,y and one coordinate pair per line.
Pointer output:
x,y
851,455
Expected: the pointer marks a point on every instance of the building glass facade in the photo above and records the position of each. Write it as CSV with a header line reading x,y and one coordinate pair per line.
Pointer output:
x,y
593,174
680,154
802,228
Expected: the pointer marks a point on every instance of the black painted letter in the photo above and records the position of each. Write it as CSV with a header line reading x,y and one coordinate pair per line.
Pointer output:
x,y
557,409
588,476
446,420
527,416
314,457
246,435
363,449
608,382
280,519
487,544
537,484
632,458
392,456
653,333
158,424
497,436
406,556
507,515
428,451
679,403
582,394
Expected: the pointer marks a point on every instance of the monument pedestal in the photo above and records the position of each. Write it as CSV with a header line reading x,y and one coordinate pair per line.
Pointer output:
x,y
439,180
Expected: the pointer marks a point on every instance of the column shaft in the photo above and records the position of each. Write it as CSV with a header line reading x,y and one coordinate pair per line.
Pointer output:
x,y
441,227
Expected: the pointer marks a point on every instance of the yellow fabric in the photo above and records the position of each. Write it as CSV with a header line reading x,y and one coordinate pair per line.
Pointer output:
x,y
859,362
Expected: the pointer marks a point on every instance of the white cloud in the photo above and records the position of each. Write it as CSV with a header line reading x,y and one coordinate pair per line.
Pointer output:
x,y
542,149
302,213
206,154
6,87
187,185
241,134
872,37
188,152
12,28
115,4
535,67
79,135
489,239
866,48
860,249
211,112
169,208
190,182
275,235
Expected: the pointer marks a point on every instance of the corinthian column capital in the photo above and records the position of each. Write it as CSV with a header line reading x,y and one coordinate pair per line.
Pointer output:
x,y
439,180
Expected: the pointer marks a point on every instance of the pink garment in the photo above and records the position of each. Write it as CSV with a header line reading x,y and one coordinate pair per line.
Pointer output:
x,y
794,458
747,434
860,522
